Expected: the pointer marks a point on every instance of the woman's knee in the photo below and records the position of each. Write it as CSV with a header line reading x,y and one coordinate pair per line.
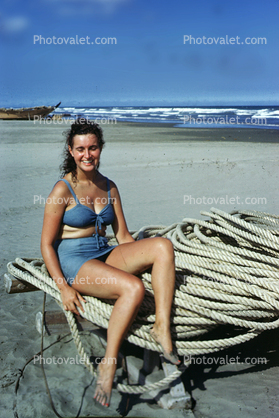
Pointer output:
x,y
164,248
135,288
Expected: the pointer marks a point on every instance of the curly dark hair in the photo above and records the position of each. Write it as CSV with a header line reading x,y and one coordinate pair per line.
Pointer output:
x,y
81,126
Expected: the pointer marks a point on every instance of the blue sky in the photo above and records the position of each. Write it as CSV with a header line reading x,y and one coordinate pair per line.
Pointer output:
x,y
150,64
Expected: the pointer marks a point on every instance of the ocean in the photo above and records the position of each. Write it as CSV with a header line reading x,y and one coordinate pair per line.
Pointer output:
x,y
265,117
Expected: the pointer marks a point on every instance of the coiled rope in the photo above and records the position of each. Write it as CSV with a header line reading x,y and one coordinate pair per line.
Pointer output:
x,y
226,273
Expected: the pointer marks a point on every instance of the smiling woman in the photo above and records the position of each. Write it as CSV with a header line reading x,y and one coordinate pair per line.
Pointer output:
x,y
80,261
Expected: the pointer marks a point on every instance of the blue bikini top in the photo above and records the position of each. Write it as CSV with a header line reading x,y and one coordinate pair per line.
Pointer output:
x,y
80,215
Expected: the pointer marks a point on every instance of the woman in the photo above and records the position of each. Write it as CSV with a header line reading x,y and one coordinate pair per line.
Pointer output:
x,y
79,260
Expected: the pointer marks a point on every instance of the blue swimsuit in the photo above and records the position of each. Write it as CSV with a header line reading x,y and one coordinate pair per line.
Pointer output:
x,y
74,252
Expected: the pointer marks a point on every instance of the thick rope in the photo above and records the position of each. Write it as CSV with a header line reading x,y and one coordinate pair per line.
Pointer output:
x,y
226,273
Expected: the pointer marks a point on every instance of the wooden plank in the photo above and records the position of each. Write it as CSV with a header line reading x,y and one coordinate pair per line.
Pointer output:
x,y
56,323
13,285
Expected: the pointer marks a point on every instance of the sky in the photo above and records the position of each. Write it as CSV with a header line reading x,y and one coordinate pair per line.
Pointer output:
x,y
164,53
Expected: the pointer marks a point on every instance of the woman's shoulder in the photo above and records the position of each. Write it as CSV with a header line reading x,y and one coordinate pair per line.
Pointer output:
x,y
61,186
112,185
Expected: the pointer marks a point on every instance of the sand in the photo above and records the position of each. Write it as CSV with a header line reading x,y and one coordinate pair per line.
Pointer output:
x,y
164,174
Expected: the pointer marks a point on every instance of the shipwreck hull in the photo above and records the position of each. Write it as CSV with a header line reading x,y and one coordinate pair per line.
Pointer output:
x,y
27,113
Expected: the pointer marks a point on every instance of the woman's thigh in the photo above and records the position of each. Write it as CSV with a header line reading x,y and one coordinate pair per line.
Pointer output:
x,y
96,278
135,257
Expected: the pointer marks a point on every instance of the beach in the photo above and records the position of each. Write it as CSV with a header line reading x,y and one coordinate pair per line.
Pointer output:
x,y
164,174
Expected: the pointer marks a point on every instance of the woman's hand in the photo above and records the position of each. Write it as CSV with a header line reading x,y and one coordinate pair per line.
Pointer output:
x,y
71,298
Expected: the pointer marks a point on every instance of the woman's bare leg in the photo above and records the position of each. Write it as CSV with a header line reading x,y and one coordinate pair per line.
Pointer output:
x,y
98,279
136,257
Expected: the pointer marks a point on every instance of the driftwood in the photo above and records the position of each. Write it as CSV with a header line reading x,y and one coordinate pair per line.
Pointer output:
x,y
13,285
56,323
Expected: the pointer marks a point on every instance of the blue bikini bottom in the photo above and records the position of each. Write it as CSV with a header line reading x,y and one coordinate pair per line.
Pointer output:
x,y
74,252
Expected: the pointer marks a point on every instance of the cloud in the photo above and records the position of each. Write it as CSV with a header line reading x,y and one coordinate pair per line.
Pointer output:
x,y
13,25
87,6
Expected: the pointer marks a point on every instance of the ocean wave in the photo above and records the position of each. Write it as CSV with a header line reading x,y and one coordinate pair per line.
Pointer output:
x,y
188,115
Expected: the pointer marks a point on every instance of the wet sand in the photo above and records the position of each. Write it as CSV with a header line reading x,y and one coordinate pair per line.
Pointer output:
x,y
164,174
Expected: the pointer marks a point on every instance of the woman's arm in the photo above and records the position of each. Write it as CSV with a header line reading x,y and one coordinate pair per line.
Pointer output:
x,y
53,215
119,225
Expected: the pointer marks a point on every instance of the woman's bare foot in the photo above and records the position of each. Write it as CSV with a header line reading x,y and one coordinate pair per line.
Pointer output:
x,y
105,375
164,339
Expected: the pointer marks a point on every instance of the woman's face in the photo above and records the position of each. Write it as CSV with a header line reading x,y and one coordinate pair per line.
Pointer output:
x,y
86,152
